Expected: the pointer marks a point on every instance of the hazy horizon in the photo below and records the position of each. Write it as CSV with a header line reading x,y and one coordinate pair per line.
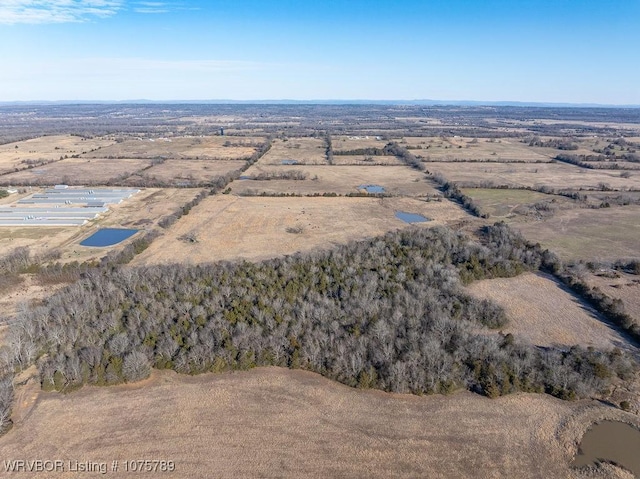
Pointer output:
x,y
528,51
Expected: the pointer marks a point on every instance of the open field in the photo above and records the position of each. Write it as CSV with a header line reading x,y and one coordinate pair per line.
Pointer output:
x,y
559,176
77,171
209,147
271,422
507,203
142,211
45,148
230,227
459,148
396,180
191,171
544,313
606,234
349,143
365,160
309,151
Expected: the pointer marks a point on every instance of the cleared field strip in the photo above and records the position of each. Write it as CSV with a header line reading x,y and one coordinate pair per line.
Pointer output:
x,y
309,151
77,171
554,175
22,154
209,147
192,171
396,180
365,160
230,227
477,149
544,313
347,143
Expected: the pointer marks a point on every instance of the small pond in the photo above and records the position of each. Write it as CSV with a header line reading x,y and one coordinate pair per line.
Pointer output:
x,y
289,162
611,441
108,237
411,217
372,188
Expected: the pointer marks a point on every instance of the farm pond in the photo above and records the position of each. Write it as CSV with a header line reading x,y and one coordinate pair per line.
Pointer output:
x,y
610,441
411,217
108,237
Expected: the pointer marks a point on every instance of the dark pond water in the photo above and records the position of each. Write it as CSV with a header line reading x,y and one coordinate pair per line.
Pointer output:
x,y
289,162
411,217
108,237
611,441
372,188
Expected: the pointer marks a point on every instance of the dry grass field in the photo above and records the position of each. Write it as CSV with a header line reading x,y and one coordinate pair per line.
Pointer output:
x,y
544,313
463,148
348,143
231,227
46,148
626,288
606,234
363,160
506,203
192,171
396,180
308,151
77,171
271,422
191,147
554,175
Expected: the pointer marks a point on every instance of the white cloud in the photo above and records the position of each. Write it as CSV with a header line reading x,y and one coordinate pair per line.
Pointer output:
x,y
56,11
151,7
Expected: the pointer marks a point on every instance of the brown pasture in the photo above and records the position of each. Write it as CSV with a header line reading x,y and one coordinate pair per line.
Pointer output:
x,y
309,151
558,176
503,203
543,312
605,234
230,227
356,142
45,148
397,180
192,171
466,149
362,160
77,171
190,147
272,422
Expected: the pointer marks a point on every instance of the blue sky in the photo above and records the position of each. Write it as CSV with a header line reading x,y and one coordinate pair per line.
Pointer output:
x,y
487,50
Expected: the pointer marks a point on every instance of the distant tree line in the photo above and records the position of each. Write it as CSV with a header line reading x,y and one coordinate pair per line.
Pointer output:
x,y
557,143
593,162
329,148
390,149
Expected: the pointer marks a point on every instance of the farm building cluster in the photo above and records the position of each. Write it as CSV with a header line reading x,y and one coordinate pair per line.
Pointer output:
x,y
63,206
